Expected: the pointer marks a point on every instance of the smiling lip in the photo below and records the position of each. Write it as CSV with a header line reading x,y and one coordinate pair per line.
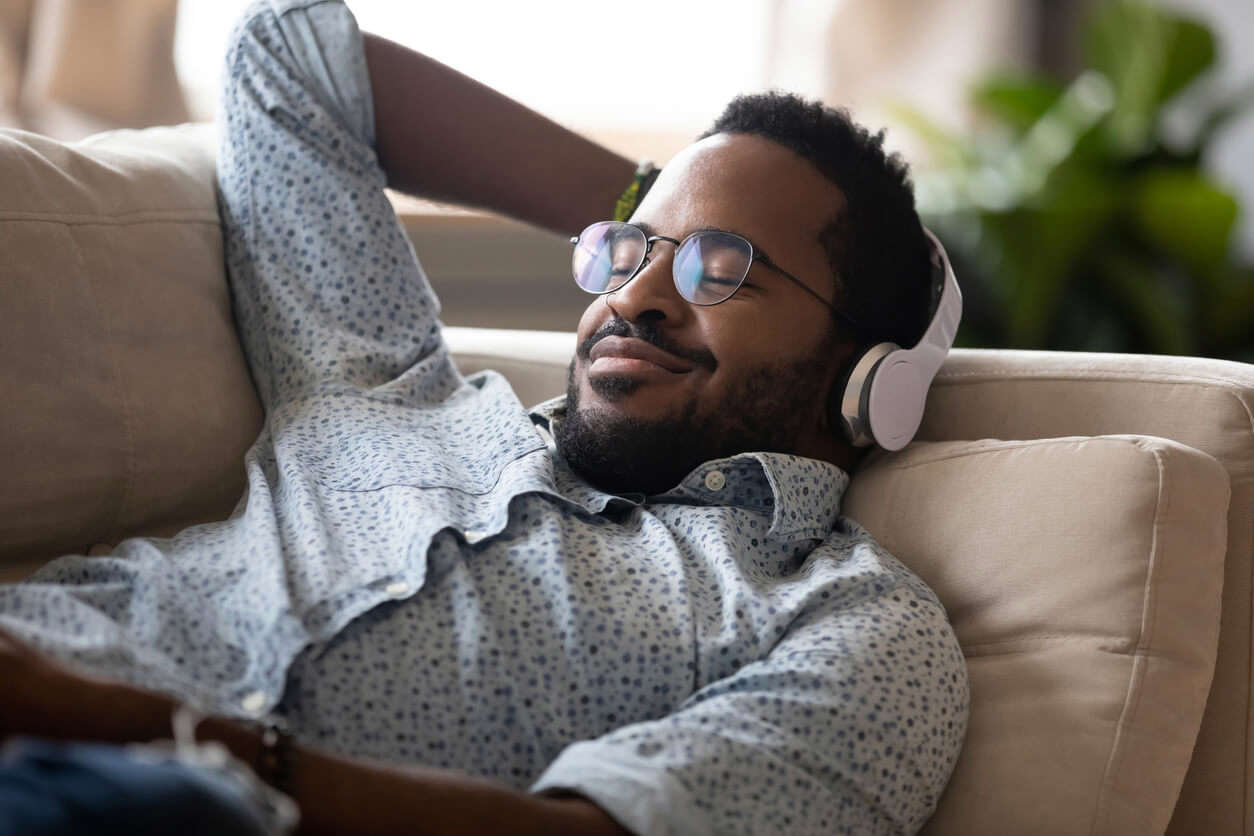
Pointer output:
x,y
631,348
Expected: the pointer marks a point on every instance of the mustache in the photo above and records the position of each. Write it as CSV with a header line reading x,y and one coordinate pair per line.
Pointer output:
x,y
649,333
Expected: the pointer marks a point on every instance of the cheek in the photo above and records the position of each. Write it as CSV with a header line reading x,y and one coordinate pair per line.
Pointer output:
x,y
740,342
758,335
759,338
593,317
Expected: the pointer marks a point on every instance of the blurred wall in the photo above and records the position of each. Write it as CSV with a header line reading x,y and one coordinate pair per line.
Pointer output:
x,y
69,68
866,54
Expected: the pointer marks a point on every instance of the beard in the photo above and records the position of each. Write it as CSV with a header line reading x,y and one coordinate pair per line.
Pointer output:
x,y
767,410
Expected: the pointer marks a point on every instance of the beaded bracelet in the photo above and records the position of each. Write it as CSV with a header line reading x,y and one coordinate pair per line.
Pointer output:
x,y
646,173
274,761
263,783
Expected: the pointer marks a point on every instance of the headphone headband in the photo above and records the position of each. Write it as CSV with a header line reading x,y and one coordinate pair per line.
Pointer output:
x,y
932,349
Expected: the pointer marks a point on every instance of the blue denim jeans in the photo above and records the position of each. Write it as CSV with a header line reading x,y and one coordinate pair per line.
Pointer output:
x,y
54,789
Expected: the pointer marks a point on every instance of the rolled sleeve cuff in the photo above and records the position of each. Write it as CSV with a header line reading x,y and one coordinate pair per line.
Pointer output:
x,y
639,794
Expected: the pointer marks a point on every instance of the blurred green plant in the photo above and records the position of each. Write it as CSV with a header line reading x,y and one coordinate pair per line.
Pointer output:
x,y
1075,221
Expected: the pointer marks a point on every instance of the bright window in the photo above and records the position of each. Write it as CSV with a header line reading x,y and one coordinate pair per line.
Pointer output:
x,y
660,65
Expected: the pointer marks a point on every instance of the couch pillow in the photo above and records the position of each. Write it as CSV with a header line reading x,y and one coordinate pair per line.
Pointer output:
x,y
128,403
1083,578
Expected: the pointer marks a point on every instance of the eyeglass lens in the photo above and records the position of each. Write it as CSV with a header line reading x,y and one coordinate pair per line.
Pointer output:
x,y
708,266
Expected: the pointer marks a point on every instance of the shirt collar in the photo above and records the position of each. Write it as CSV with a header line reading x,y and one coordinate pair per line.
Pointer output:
x,y
802,495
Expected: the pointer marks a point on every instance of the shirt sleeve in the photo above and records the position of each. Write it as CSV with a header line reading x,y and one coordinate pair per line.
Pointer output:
x,y
326,288
851,725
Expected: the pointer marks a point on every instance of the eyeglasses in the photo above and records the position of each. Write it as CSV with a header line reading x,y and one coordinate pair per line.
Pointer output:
x,y
709,266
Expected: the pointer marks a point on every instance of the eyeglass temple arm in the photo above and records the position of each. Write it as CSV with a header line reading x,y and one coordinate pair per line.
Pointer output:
x,y
845,318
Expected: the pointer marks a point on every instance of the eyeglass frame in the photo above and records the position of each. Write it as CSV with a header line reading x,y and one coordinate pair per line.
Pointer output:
x,y
755,255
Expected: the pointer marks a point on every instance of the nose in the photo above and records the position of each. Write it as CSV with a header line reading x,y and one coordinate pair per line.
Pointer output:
x,y
651,293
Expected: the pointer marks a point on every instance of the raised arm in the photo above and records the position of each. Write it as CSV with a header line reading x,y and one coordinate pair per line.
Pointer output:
x,y
444,136
316,119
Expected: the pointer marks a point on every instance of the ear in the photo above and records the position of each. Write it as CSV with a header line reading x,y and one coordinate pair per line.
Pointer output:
x,y
844,360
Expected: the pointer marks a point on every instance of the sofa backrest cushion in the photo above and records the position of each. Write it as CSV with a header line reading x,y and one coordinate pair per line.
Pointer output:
x,y
534,362
1083,578
1205,404
127,403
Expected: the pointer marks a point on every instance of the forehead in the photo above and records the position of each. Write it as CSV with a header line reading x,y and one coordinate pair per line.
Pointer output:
x,y
746,184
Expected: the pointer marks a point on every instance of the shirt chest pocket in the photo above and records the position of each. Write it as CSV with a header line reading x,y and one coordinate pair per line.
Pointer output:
x,y
353,441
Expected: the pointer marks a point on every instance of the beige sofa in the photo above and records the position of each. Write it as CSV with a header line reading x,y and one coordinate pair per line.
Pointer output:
x,y
1088,520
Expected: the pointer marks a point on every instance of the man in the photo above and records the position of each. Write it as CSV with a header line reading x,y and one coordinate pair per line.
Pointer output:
x,y
632,610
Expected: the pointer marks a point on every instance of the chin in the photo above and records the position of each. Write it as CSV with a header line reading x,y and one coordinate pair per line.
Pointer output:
x,y
630,396
612,388
630,443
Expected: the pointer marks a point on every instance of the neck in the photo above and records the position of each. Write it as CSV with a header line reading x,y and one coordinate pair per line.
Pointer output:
x,y
824,445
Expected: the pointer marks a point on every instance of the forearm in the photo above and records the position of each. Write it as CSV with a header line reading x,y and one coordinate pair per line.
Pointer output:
x,y
360,797
55,703
444,136
335,795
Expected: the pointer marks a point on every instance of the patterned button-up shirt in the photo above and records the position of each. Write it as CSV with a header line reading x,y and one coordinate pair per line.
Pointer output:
x,y
415,574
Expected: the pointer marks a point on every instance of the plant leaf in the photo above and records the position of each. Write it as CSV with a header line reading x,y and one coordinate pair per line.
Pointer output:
x,y
1149,55
1040,244
1190,52
1186,214
1230,319
1126,43
1017,100
1145,296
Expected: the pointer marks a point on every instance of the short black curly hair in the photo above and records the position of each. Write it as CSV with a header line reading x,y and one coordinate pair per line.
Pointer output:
x,y
875,245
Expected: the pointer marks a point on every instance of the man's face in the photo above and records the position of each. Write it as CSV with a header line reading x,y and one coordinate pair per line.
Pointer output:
x,y
659,385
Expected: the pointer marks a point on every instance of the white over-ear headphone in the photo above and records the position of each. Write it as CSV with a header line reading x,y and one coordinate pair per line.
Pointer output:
x,y
887,387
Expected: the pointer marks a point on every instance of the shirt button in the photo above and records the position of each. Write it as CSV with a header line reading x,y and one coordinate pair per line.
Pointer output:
x,y
254,702
397,590
715,480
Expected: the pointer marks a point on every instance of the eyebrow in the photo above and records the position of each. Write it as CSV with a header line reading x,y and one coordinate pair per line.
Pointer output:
x,y
648,230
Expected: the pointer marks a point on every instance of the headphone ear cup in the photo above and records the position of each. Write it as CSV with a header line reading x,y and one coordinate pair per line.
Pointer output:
x,y
836,395
895,397
852,411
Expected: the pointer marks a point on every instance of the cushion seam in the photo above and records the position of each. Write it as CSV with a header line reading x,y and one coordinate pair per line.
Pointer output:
x,y
1079,375
147,216
113,515
1136,679
128,421
1050,638
978,446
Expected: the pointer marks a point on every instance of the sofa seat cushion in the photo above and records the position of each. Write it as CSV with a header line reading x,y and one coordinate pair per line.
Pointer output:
x,y
1083,577
128,404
